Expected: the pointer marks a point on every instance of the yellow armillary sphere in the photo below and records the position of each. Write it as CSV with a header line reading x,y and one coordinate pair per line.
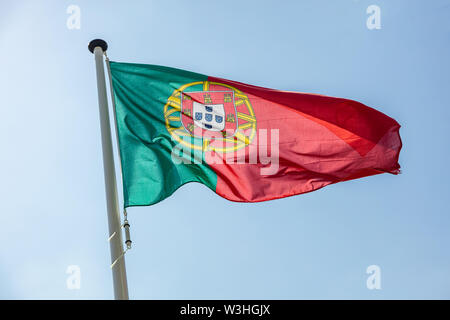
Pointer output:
x,y
210,116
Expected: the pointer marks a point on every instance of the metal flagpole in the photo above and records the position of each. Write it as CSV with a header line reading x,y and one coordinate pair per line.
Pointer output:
x,y
98,47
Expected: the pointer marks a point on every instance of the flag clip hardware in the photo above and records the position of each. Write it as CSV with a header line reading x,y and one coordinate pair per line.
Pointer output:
x,y
126,226
128,241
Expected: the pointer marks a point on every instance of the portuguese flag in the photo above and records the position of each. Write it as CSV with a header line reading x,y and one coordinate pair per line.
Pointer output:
x,y
245,143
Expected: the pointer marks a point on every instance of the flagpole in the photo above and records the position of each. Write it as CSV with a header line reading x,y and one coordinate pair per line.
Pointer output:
x,y
98,47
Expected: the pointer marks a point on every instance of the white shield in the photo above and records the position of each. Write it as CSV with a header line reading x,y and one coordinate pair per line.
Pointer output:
x,y
209,116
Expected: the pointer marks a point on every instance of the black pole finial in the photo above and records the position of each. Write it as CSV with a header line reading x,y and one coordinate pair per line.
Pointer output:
x,y
97,43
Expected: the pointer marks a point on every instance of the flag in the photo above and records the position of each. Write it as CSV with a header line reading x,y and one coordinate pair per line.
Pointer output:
x,y
244,142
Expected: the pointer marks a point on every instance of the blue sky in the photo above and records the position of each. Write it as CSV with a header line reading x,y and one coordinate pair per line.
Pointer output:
x,y
196,245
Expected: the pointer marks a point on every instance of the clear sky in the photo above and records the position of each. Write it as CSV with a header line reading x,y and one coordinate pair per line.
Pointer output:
x,y
195,244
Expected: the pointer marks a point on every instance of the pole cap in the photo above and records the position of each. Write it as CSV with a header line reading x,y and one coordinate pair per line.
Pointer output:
x,y
97,43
